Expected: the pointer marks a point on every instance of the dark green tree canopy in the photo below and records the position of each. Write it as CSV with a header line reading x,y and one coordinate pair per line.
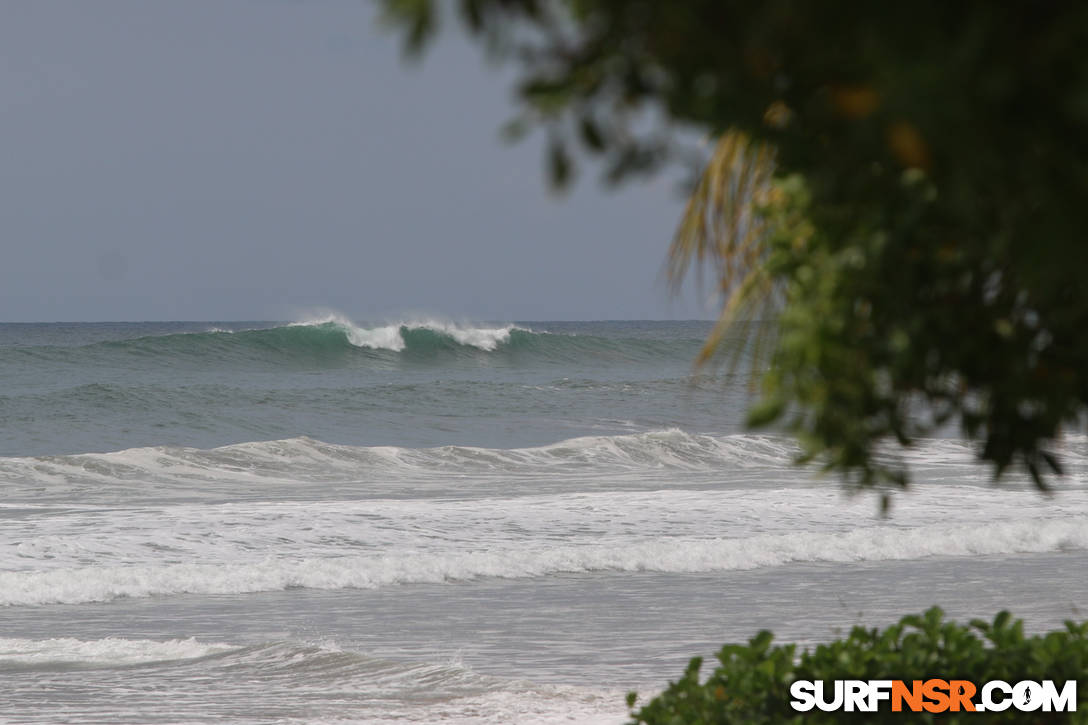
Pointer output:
x,y
906,183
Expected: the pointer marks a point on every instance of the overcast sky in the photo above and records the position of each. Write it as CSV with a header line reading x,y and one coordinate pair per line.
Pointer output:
x,y
257,159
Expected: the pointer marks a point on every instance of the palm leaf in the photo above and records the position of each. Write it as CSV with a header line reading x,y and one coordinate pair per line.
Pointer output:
x,y
724,228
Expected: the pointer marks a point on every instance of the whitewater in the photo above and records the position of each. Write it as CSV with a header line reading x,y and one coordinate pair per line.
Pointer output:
x,y
426,520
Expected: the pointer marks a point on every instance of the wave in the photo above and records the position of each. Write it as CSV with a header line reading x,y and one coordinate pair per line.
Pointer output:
x,y
297,460
420,335
111,651
239,519
330,335
257,466
300,682
335,339
662,554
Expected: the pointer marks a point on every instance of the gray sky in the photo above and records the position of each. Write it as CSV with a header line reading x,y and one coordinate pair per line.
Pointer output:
x,y
257,159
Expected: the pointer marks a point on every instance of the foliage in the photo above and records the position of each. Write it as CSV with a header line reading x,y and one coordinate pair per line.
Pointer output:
x,y
904,182
752,683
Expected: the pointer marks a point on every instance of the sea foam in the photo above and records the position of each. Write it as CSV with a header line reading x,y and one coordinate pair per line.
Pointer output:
x,y
111,651
665,554
307,459
392,336
313,683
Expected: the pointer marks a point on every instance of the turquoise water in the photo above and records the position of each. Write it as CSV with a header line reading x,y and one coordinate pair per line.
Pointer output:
x,y
73,388
427,521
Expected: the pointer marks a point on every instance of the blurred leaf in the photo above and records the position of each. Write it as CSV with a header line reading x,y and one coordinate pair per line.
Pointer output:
x,y
591,134
559,165
899,188
514,130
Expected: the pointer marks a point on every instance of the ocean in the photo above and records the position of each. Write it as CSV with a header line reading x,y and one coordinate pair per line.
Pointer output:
x,y
426,521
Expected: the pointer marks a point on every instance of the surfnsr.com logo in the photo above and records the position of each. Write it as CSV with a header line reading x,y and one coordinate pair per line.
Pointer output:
x,y
933,695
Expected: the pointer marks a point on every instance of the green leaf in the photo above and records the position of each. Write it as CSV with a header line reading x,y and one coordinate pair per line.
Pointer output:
x,y
559,165
765,412
514,130
591,134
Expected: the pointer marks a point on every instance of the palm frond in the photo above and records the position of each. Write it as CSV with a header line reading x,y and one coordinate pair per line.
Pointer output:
x,y
724,228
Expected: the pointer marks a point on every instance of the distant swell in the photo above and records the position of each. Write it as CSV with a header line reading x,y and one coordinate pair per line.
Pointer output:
x,y
331,335
336,340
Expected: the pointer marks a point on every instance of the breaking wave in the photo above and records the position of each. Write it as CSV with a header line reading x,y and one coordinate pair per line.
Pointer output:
x,y
336,339
662,554
653,457
240,519
306,459
111,651
318,682
420,335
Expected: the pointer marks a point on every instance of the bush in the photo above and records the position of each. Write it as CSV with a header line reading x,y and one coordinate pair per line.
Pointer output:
x,y
752,683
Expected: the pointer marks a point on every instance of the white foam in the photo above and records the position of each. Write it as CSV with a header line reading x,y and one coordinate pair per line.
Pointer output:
x,y
667,554
525,705
293,467
390,337
380,338
305,459
664,501
311,682
109,651
485,338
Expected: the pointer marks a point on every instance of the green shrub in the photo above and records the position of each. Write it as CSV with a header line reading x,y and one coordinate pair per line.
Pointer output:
x,y
752,683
